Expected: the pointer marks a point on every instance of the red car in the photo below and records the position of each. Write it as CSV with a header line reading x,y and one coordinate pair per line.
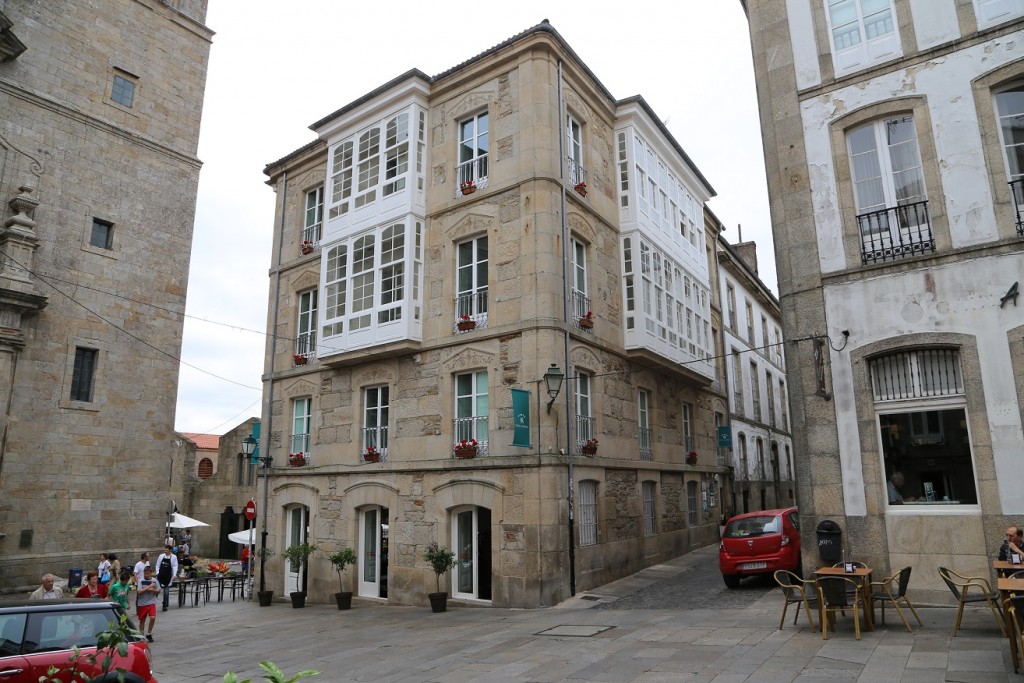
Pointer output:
x,y
38,634
759,543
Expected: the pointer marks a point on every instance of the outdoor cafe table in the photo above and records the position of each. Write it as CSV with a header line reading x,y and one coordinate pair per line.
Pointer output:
x,y
1006,588
862,576
1003,567
193,586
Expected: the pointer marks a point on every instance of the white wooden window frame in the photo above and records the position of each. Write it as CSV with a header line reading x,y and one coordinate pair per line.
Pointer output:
x,y
861,33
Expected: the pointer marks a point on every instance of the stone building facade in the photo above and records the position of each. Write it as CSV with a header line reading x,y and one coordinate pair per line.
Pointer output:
x,y
98,177
445,241
892,140
762,448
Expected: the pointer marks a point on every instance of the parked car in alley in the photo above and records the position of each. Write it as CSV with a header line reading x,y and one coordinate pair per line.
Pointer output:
x,y
38,634
759,543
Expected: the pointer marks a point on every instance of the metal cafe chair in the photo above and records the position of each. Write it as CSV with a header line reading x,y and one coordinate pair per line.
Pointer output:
x,y
834,597
794,590
960,587
893,589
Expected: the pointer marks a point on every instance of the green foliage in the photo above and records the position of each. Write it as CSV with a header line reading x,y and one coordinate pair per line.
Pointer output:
x,y
440,560
341,559
298,556
273,674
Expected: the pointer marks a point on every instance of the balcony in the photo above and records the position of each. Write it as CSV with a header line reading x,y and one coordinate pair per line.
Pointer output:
x,y
644,437
305,345
471,176
1017,191
899,232
377,438
469,428
470,311
585,429
299,447
582,315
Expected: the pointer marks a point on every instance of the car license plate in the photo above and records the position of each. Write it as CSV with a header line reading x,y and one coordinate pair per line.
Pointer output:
x,y
754,565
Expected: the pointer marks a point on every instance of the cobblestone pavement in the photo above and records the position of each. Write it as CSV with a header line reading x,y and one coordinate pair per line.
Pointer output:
x,y
608,635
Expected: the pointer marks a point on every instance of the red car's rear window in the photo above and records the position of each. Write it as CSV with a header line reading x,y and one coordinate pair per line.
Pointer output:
x,y
753,526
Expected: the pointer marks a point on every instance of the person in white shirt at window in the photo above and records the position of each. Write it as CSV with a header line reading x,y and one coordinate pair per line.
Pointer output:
x,y
895,483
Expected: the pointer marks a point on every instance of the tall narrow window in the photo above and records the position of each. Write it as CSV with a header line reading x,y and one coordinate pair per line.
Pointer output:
x,y
313,228
644,423
770,389
687,427
889,191
392,274
584,420
588,512
1010,110
691,503
783,403
623,172
367,167
375,418
650,521
471,272
102,235
336,290
302,423
396,153
730,298
342,165
362,281
473,148
574,150
750,323
862,32
305,339
737,384
82,374
580,300
472,407
755,391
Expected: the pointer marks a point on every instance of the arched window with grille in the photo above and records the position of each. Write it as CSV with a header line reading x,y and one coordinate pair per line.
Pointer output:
x,y
205,468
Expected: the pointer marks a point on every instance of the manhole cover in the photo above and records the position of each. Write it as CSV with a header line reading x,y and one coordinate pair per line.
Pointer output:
x,y
577,631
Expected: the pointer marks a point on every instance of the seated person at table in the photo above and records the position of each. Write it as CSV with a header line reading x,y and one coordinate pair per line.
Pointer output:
x,y
895,483
188,566
1013,543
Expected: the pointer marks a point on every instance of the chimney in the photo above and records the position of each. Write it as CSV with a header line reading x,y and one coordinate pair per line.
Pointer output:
x,y
747,251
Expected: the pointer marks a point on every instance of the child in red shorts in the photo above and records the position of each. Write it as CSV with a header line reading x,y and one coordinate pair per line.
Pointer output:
x,y
145,602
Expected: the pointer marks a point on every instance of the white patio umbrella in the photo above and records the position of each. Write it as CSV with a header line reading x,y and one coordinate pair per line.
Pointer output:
x,y
180,521
244,537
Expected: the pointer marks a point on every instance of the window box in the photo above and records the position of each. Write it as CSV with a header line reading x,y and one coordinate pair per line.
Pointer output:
x,y
581,188
691,458
306,247
466,449
586,320
465,323
371,454
299,359
467,187
296,459
589,447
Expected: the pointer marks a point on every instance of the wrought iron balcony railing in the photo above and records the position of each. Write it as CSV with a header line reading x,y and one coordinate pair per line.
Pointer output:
x,y
305,344
469,428
895,233
1017,192
377,437
644,437
585,429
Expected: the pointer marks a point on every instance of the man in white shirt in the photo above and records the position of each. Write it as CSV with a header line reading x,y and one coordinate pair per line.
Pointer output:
x,y
140,566
166,570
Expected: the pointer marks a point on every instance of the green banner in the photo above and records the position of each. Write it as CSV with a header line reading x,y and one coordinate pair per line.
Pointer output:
x,y
521,418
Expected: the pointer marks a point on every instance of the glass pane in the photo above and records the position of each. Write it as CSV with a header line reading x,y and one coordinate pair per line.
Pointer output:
x,y
1013,129
370,546
465,552
1010,102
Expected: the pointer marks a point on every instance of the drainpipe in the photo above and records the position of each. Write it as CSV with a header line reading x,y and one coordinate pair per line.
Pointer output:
x,y
569,377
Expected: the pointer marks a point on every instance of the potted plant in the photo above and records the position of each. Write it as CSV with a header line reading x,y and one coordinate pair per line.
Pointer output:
x,y
440,560
297,459
467,187
340,560
691,458
466,448
371,454
590,447
587,320
266,598
465,323
306,247
581,188
300,359
298,556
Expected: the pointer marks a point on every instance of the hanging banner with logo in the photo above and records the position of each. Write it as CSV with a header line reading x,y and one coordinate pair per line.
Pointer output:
x,y
521,418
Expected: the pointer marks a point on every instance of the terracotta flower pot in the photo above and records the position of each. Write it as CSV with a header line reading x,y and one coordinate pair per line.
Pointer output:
x,y
589,450
468,189
466,325
297,462
586,323
371,457
468,452
307,250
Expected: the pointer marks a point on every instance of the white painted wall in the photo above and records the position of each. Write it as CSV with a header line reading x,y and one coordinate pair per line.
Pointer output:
x,y
935,22
805,47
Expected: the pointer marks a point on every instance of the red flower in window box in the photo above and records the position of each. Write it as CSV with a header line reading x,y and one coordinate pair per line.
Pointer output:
x,y
465,323
307,247
371,454
581,188
691,458
297,459
589,446
466,448
587,320
300,359
467,187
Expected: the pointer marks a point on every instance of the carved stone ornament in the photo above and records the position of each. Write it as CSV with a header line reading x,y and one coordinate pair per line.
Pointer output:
x,y
300,388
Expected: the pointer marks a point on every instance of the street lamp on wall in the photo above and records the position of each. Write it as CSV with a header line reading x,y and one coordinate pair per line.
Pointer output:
x,y
553,383
249,449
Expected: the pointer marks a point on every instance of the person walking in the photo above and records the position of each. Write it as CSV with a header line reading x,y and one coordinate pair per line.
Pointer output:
x,y
145,602
103,569
166,570
47,591
140,566
120,588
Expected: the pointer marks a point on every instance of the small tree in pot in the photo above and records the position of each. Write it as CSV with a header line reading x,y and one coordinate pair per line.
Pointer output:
x,y
340,560
266,598
298,556
440,560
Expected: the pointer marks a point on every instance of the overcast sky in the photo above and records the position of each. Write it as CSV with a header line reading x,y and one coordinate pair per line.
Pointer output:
x,y
275,68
